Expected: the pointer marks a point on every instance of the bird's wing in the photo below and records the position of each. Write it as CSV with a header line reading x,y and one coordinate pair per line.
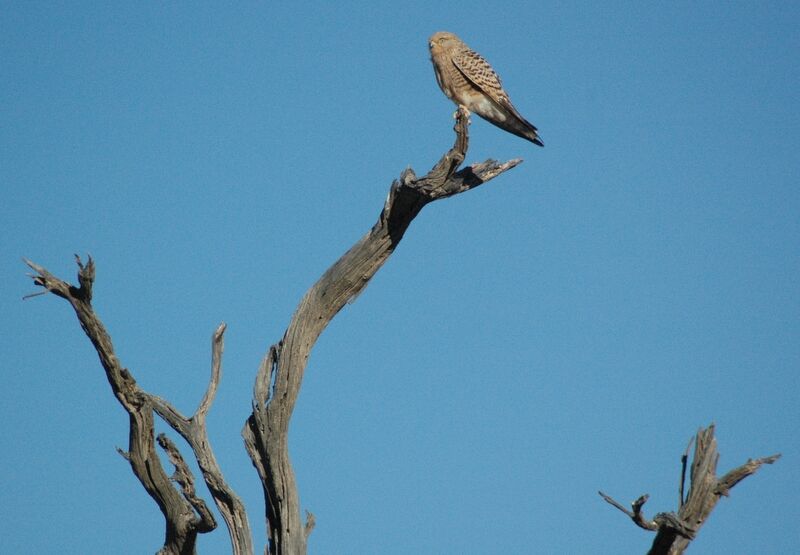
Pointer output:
x,y
480,73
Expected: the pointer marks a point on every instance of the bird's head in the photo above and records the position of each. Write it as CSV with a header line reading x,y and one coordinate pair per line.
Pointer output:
x,y
443,41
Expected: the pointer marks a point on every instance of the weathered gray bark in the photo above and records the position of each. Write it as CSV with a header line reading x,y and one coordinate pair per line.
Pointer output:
x,y
676,531
281,373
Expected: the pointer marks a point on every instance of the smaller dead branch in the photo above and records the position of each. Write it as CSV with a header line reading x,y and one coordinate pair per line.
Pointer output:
x,y
185,514
675,531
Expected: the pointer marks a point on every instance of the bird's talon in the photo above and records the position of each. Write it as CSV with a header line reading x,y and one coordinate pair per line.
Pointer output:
x,y
462,112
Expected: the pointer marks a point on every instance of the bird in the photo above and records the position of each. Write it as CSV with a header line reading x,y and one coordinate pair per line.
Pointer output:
x,y
467,79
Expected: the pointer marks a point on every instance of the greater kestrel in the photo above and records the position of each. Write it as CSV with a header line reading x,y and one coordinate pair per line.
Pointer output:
x,y
469,81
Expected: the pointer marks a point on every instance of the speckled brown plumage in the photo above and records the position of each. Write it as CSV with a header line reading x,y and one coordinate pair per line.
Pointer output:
x,y
468,80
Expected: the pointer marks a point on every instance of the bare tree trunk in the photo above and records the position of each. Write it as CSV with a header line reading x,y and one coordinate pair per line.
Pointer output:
x,y
676,531
281,373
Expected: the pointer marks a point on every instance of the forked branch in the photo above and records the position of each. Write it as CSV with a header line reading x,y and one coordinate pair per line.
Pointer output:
x,y
185,514
195,432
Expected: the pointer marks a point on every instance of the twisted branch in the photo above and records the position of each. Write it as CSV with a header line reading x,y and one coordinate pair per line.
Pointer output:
x,y
280,375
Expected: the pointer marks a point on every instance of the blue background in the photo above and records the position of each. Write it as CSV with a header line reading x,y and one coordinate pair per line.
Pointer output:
x,y
563,329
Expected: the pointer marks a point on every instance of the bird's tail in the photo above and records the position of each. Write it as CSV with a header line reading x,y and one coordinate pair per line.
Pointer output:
x,y
528,131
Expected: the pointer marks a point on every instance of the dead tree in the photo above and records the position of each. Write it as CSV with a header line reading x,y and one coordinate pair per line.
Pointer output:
x,y
675,531
277,382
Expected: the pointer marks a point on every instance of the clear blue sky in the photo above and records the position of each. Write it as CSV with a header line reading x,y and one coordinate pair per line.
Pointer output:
x,y
561,330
